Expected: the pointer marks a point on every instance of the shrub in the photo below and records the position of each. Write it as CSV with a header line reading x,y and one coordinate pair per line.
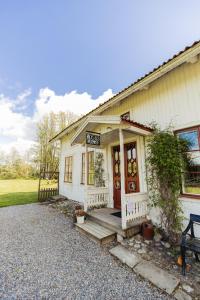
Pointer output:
x,y
166,163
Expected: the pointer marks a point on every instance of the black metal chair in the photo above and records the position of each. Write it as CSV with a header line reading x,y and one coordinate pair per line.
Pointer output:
x,y
189,241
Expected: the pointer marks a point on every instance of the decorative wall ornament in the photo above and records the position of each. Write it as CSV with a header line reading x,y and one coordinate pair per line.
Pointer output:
x,y
93,138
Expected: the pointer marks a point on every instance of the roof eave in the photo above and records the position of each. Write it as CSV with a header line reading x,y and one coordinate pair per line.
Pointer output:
x,y
138,85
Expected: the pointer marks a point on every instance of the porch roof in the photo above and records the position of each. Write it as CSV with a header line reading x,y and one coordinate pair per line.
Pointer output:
x,y
109,128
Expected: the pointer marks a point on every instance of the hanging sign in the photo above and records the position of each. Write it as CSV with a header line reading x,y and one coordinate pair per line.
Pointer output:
x,y
92,138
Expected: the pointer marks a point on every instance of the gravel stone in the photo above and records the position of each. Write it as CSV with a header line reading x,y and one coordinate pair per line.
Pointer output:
x,y
142,251
42,256
166,245
157,237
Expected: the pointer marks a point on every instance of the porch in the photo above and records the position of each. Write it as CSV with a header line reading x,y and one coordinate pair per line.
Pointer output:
x,y
124,188
110,218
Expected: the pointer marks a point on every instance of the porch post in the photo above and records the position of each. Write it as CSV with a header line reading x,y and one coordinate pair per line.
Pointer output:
x,y
86,177
122,171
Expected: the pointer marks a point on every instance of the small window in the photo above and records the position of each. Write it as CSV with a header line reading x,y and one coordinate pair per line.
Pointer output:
x,y
191,184
68,169
90,168
83,169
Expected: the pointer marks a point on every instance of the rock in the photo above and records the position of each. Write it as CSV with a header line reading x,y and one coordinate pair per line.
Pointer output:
x,y
157,244
187,288
138,242
181,295
131,244
189,253
166,244
147,242
124,243
142,251
175,267
138,237
132,239
146,256
157,237
137,246
119,238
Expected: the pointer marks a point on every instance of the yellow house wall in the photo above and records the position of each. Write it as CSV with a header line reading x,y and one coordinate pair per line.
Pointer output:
x,y
174,98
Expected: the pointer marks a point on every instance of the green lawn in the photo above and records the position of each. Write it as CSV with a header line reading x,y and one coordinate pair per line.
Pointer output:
x,y
18,191
192,190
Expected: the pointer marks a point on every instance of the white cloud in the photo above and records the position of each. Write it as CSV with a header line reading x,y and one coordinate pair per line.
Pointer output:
x,y
21,145
14,124
77,103
21,101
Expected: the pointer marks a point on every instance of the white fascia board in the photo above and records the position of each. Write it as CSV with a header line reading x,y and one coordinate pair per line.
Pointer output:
x,y
98,120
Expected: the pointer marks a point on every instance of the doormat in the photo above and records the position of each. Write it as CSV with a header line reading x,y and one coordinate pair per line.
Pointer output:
x,y
117,214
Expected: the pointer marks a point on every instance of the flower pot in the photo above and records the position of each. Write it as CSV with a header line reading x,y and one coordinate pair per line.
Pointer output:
x,y
80,219
147,231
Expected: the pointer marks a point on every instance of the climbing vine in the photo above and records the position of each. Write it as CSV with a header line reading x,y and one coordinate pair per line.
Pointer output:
x,y
167,161
99,170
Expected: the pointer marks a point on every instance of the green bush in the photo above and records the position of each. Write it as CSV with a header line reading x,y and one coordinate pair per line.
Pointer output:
x,y
166,163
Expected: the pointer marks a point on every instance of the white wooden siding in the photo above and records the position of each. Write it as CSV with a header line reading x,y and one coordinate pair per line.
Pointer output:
x,y
174,98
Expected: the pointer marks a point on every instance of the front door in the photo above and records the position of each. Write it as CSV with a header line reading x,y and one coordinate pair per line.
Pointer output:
x,y
116,177
131,172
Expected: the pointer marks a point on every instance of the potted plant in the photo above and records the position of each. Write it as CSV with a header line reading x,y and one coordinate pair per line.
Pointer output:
x,y
80,216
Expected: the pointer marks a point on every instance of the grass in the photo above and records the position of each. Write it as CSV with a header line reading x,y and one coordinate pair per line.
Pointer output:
x,y
192,190
18,191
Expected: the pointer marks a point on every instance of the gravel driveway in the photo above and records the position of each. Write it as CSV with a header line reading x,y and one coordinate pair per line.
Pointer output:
x,y
43,257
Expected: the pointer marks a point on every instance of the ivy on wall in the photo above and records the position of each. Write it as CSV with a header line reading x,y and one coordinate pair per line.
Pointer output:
x,y
166,163
99,170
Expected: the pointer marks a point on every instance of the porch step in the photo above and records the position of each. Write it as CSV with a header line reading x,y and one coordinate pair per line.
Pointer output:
x,y
96,232
104,217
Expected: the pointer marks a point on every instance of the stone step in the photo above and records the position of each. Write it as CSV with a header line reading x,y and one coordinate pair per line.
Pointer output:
x,y
181,295
125,256
57,198
159,277
96,232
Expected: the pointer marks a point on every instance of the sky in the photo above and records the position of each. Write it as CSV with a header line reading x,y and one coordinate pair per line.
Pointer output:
x,y
71,55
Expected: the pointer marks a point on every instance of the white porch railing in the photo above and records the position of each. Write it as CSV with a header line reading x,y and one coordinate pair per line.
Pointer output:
x,y
134,207
96,197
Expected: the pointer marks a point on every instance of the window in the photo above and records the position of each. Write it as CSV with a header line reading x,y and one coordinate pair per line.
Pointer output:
x,y
90,168
83,169
68,169
191,183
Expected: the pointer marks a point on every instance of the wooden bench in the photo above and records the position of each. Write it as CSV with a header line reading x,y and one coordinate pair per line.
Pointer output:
x,y
189,241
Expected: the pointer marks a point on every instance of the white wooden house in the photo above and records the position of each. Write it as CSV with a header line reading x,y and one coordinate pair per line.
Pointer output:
x,y
168,94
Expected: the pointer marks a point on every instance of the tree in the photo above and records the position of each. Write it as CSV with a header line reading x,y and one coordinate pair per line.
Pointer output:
x,y
14,165
47,154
